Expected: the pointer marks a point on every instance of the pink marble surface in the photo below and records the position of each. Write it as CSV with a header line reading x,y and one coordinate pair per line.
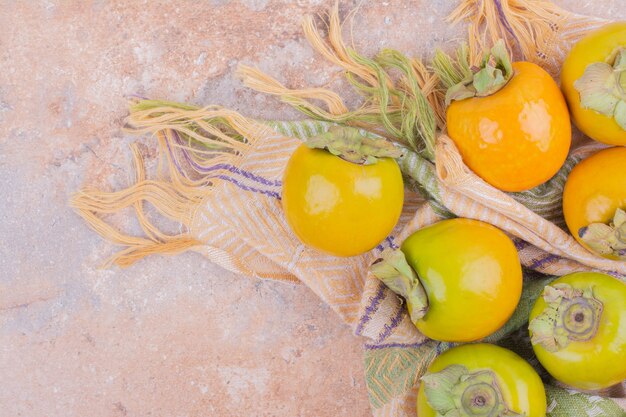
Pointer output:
x,y
168,336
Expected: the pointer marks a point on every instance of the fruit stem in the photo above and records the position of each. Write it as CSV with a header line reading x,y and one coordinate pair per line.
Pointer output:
x,y
571,315
602,87
455,391
607,239
352,146
487,79
396,273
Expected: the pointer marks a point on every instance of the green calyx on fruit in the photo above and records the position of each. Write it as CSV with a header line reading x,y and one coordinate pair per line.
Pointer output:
x,y
571,315
396,273
607,239
602,87
493,74
457,392
351,145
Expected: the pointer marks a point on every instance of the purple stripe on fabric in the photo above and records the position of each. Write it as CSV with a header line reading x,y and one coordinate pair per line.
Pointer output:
x,y
551,258
390,241
235,170
395,345
223,177
541,262
246,188
228,167
392,325
504,20
178,167
392,244
441,346
520,244
373,303
617,275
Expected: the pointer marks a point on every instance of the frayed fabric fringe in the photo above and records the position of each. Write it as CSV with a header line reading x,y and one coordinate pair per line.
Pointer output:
x,y
192,142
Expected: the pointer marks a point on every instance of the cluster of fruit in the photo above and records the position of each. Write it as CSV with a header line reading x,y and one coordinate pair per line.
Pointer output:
x,y
461,279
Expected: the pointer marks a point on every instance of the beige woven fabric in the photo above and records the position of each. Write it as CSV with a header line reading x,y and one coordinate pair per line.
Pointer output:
x,y
253,238
264,246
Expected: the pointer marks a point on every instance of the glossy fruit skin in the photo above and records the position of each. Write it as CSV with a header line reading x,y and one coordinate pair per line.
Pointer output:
x,y
521,387
595,47
339,207
594,189
600,362
517,138
472,276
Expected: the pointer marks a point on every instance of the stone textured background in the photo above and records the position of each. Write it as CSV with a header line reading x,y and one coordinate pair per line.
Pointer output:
x,y
168,336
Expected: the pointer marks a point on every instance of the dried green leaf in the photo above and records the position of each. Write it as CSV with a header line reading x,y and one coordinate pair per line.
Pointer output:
x,y
351,145
396,273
